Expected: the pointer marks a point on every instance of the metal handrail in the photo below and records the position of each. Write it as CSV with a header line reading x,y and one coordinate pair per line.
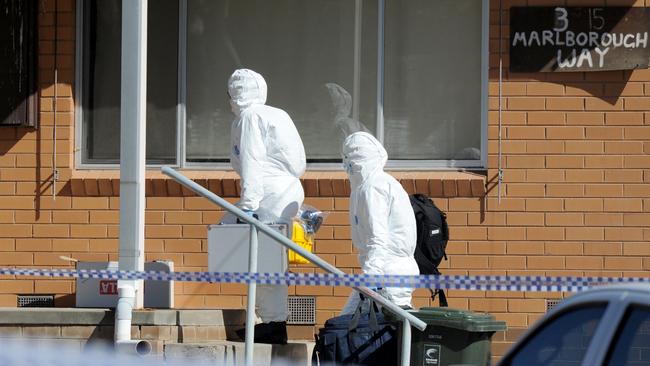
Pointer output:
x,y
408,318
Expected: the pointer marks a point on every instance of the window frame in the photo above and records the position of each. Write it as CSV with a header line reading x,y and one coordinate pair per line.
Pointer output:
x,y
622,324
181,162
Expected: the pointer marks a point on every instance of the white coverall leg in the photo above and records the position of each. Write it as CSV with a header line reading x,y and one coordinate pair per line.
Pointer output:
x,y
381,218
268,155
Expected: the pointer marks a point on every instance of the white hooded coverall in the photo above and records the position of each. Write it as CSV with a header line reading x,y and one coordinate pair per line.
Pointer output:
x,y
381,217
268,154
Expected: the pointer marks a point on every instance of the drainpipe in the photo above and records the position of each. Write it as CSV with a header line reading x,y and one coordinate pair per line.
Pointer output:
x,y
132,170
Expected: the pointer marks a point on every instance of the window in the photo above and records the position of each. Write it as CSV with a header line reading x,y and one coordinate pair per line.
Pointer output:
x,y
18,89
632,340
562,341
386,66
101,45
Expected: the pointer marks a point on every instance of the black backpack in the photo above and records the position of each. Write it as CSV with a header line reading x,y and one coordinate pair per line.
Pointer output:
x,y
433,234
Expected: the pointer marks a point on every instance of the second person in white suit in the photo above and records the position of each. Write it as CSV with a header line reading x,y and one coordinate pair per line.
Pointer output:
x,y
381,217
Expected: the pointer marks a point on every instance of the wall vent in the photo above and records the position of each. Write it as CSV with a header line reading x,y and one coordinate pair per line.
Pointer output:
x,y
35,301
550,303
302,310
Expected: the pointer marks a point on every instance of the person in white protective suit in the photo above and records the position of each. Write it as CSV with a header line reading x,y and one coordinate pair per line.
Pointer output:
x,y
268,155
381,218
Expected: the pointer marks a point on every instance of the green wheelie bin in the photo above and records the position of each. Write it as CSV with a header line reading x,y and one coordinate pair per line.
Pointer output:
x,y
453,337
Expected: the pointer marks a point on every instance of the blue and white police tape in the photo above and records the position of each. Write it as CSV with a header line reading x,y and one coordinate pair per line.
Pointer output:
x,y
479,283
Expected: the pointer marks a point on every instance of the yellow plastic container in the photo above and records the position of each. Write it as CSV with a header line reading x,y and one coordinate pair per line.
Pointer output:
x,y
300,237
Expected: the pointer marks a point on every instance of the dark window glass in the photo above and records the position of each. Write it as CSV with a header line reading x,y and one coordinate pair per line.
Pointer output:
x,y
18,81
433,82
632,340
101,81
561,342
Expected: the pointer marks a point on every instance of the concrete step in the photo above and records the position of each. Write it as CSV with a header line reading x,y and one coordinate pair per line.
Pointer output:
x,y
229,353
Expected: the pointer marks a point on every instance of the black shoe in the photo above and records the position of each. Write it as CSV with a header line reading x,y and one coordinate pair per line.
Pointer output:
x,y
270,333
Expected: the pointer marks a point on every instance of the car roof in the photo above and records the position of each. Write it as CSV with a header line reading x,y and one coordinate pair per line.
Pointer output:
x,y
617,288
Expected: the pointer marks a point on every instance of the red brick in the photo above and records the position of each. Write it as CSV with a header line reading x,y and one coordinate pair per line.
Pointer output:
x,y
16,259
525,161
604,190
542,88
632,162
583,262
585,118
544,233
507,262
604,133
624,176
623,118
603,104
545,175
93,203
469,261
565,104
564,190
623,263
544,204
639,249
637,133
603,219
623,234
524,190
624,147
564,219
525,133
546,262
602,161
525,219
584,147
637,104
603,248
524,248
565,133
525,103
585,233
506,233
623,205
487,247
585,175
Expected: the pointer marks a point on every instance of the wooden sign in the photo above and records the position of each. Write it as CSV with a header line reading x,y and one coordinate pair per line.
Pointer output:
x,y
579,38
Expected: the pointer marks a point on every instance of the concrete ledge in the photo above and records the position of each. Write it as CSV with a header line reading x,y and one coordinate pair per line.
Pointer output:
x,y
212,317
154,317
233,353
81,316
55,316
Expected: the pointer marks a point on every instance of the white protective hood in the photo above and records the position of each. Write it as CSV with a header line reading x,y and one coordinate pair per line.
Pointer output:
x,y
246,87
363,156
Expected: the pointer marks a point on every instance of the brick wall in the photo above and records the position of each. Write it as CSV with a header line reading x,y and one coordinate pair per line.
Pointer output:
x,y
575,198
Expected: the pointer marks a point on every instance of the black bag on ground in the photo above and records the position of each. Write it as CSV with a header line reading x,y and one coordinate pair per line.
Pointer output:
x,y
362,338
433,235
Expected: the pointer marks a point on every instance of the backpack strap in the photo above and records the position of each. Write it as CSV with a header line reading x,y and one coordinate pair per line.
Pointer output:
x,y
372,314
441,296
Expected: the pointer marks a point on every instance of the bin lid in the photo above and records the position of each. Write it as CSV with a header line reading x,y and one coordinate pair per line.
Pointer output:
x,y
459,319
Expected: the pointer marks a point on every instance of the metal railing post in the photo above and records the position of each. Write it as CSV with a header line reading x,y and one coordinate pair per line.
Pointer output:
x,y
250,306
406,342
